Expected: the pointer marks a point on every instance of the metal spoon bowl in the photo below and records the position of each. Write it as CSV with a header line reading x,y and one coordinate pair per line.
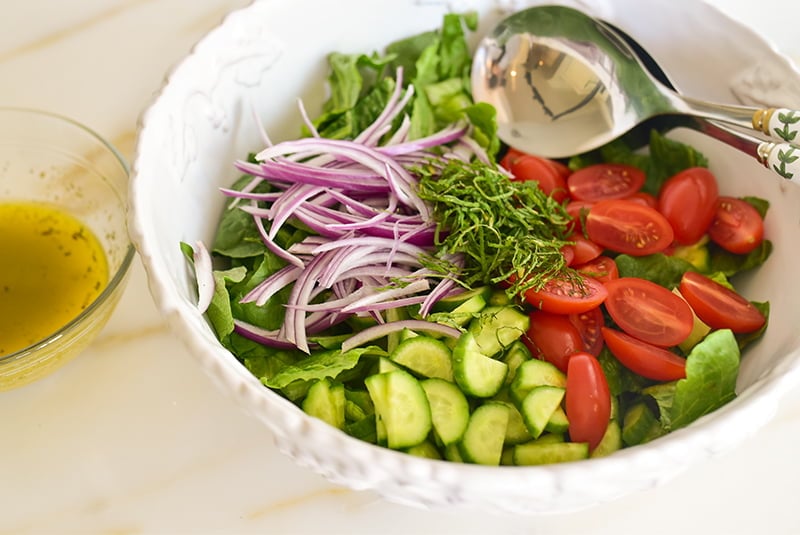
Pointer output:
x,y
564,83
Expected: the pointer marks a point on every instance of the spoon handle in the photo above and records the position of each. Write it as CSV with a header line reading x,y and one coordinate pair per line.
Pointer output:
x,y
780,123
782,158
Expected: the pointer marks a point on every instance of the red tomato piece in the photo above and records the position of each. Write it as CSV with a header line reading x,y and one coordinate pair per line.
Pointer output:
x,y
602,268
645,359
587,400
588,324
583,250
737,226
532,168
562,170
605,181
719,307
577,210
644,198
568,295
510,157
688,200
569,254
553,337
649,312
628,227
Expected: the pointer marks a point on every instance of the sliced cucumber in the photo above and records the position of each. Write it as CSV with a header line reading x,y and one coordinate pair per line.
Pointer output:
x,y
424,356
516,430
401,407
385,364
476,374
699,329
611,441
483,439
449,409
453,454
515,355
363,429
474,297
558,422
536,453
425,449
538,406
498,327
326,401
533,373
637,423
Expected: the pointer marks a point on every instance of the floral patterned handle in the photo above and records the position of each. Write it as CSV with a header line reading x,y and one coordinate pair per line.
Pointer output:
x,y
782,158
781,123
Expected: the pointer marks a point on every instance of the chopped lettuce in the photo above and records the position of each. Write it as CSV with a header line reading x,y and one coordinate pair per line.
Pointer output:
x,y
319,366
711,371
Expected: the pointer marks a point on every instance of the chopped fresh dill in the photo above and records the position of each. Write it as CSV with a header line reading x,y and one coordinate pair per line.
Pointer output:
x,y
507,231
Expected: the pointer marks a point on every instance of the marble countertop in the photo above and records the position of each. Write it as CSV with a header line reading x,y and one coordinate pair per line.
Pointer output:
x,y
132,438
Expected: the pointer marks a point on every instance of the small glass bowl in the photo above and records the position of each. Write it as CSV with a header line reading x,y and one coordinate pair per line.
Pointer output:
x,y
46,158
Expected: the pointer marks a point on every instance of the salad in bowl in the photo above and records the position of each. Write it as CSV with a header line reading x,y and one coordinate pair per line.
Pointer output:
x,y
414,307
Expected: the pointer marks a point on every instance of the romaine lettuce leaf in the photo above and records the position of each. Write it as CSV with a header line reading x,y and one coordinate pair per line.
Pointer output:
x,y
711,371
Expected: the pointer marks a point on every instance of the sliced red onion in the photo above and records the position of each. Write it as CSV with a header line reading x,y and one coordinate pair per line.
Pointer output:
x,y
204,273
379,331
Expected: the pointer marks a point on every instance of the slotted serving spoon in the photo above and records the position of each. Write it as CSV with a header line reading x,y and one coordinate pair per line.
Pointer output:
x,y
565,83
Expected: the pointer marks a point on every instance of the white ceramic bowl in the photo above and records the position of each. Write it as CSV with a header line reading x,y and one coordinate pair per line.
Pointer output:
x,y
266,56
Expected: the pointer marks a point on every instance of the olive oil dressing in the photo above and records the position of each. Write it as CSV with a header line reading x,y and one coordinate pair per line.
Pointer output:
x,y
51,268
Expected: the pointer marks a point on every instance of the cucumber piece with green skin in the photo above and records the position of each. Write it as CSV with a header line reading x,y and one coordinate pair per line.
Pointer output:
x,y
453,454
516,430
425,449
514,356
538,406
424,356
449,410
637,423
483,440
499,298
533,373
475,296
363,429
498,327
476,374
401,407
326,401
558,422
385,364
611,441
537,453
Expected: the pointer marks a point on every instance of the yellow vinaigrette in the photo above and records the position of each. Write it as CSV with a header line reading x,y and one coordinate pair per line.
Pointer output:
x,y
51,268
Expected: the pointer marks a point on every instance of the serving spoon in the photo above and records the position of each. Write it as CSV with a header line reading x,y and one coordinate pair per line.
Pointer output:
x,y
564,83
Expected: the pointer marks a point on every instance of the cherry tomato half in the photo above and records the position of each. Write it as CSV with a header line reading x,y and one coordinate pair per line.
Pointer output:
x,y
628,227
689,200
645,359
644,198
605,181
568,295
588,324
649,312
737,226
510,157
553,337
577,210
583,250
602,268
533,168
719,307
587,399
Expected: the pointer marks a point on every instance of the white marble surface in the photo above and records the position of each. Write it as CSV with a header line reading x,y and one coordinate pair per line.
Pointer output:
x,y
132,438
